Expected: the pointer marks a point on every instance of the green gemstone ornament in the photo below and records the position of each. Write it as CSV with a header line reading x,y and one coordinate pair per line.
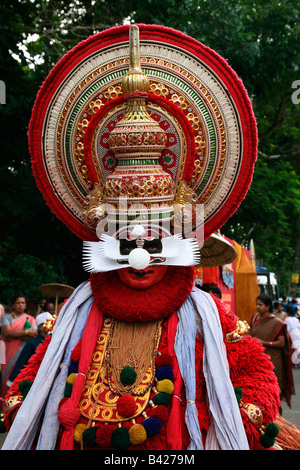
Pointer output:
x,y
2,427
128,375
161,398
120,438
89,435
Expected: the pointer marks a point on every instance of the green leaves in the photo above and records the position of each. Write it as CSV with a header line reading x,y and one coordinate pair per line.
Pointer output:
x,y
270,215
23,275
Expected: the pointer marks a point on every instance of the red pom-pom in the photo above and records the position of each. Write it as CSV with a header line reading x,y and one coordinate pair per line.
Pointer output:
x,y
160,412
163,360
103,435
126,406
75,355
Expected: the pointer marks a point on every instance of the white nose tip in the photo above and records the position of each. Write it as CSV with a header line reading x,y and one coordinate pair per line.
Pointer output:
x,y
138,230
139,258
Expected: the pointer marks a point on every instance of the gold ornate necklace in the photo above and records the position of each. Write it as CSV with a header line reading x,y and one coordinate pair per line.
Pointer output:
x,y
135,346
120,344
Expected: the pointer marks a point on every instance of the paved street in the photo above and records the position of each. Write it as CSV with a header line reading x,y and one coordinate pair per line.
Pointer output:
x,y
293,414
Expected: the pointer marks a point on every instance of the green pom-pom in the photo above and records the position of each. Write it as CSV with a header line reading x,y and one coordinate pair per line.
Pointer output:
x,y
161,398
272,430
128,375
120,438
2,427
266,441
68,390
238,393
25,386
88,436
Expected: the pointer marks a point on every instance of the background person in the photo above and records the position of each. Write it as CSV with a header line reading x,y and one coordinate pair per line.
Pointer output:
x,y
272,333
279,310
13,335
30,347
215,291
41,307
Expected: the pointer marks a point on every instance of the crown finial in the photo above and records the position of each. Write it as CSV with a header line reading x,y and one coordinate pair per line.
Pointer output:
x,y
135,79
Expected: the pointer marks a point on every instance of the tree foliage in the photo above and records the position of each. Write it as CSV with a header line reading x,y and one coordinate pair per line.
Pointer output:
x,y
271,214
22,274
260,40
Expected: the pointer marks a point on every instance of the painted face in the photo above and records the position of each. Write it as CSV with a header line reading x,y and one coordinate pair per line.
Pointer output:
x,y
142,279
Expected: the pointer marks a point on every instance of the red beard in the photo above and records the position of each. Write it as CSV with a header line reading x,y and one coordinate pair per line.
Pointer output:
x,y
115,299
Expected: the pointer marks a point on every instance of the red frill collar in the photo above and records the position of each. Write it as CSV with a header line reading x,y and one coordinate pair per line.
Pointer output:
x,y
115,299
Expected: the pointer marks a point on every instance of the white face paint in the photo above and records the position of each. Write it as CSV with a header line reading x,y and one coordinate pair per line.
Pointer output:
x,y
138,230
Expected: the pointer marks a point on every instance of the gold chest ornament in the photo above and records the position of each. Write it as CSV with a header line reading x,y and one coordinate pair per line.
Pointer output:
x,y
112,400
119,346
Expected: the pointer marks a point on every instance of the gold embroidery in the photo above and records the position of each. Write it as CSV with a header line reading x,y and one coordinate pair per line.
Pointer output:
x,y
98,400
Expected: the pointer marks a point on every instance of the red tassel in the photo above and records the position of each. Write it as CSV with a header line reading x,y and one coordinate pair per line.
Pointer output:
x,y
160,412
68,416
103,435
75,356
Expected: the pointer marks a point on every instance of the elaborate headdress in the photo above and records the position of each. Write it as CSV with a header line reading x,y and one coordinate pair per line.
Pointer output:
x,y
138,130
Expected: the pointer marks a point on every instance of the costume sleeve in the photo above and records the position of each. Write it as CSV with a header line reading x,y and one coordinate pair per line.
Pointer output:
x,y
252,372
14,398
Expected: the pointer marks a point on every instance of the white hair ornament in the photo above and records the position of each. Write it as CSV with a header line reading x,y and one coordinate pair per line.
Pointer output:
x,y
105,255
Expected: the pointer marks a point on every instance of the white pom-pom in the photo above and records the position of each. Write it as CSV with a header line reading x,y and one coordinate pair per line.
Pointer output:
x,y
139,258
138,230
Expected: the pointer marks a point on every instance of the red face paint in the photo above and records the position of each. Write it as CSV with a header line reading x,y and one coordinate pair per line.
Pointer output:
x,y
142,279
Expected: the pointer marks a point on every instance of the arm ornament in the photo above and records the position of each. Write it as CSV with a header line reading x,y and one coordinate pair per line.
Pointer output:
x,y
242,328
10,404
49,324
267,432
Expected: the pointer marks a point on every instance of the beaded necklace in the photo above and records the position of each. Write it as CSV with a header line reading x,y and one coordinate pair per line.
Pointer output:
x,y
128,374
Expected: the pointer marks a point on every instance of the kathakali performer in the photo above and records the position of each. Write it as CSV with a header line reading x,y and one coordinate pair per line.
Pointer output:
x,y
143,143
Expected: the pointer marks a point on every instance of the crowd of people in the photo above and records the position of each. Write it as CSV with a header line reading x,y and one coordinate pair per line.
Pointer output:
x,y
287,310
21,333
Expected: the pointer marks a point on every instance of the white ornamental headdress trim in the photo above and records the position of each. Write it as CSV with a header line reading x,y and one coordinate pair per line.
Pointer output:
x,y
106,255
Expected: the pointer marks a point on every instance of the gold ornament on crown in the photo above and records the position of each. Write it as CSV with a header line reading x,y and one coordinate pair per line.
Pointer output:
x,y
137,142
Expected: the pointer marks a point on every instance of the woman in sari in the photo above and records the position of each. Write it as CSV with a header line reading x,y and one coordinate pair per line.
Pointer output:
x,y
271,331
13,336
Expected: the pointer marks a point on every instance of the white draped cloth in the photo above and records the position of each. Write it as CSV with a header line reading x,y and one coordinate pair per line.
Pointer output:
x,y
199,314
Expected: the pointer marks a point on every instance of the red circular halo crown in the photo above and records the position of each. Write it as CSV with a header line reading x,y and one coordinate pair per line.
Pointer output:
x,y
194,96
